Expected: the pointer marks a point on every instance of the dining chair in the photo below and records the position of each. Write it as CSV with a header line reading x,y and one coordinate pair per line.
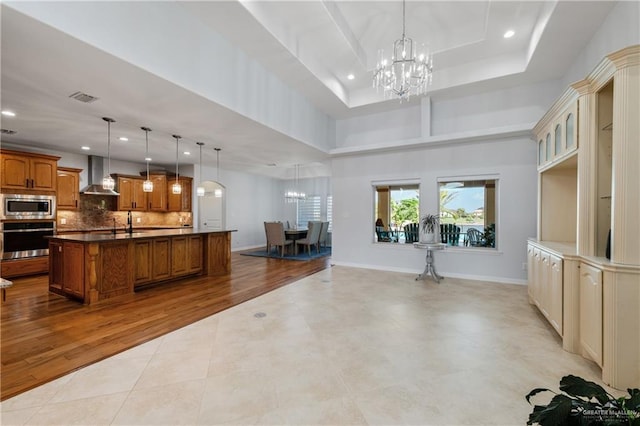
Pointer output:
x,y
276,237
313,236
324,233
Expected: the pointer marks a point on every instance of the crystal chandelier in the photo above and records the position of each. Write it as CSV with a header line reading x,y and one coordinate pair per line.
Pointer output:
x,y
407,73
294,196
147,185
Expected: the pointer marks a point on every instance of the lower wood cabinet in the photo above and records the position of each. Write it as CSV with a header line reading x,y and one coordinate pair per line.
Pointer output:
x,y
142,260
161,259
66,268
165,258
591,312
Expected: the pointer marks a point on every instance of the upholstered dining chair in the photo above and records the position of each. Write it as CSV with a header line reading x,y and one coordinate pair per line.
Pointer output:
x,y
313,236
276,237
324,233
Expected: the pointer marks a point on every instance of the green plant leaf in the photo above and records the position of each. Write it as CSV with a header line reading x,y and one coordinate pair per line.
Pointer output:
x,y
554,414
633,403
577,386
535,392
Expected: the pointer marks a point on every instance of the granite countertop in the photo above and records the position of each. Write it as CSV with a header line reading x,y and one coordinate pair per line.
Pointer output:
x,y
88,237
120,228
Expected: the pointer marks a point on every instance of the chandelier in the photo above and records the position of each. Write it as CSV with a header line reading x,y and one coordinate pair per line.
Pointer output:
x,y
294,196
407,73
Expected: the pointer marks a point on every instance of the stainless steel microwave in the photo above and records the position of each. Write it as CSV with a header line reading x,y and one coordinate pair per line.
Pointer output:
x,y
27,206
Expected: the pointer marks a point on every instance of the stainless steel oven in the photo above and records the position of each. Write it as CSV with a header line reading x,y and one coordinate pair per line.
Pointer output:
x,y
23,239
28,206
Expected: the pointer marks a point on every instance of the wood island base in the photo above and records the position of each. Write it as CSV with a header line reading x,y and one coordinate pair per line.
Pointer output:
x,y
90,267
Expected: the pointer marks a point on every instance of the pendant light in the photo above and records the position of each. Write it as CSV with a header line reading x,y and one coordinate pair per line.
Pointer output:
x,y
176,188
147,185
218,191
107,182
200,188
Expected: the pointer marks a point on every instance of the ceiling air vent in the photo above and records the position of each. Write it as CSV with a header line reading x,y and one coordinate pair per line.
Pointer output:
x,y
7,132
83,97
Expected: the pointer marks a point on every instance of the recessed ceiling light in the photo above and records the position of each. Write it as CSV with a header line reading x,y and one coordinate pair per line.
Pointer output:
x,y
8,113
509,34
147,159
186,153
351,76
85,148
123,139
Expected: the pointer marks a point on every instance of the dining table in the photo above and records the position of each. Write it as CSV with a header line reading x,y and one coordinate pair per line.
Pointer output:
x,y
295,233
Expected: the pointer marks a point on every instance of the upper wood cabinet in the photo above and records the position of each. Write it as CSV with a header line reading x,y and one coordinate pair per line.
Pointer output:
x,y
179,202
132,196
25,171
68,195
157,200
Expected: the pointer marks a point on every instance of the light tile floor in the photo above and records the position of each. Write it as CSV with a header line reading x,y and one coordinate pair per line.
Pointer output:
x,y
344,346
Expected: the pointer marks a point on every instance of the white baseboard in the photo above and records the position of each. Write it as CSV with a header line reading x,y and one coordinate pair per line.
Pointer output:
x,y
247,247
501,280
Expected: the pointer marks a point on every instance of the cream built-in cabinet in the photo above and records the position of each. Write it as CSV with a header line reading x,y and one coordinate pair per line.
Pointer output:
x,y
588,203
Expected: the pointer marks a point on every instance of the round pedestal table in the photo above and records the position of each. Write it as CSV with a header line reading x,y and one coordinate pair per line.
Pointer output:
x,y
430,267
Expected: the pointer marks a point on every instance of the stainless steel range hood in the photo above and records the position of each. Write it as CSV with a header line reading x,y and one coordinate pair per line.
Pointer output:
x,y
96,173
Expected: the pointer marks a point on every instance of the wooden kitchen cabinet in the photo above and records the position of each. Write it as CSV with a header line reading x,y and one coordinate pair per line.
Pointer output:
x,y
195,260
161,259
66,268
68,195
56,262
179,202
26,171
158,198
73,269
132,196
179,256
143,258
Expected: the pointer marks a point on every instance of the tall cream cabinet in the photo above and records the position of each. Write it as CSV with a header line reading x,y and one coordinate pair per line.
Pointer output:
x,y
584,264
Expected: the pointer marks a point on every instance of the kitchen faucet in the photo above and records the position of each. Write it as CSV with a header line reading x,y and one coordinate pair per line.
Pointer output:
x,y
129,223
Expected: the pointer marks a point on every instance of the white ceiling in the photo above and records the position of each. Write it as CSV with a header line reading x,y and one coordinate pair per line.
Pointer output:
x,y
312,45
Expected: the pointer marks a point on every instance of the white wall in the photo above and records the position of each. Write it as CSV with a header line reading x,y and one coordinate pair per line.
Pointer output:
x,y
167,40
620,29
513,160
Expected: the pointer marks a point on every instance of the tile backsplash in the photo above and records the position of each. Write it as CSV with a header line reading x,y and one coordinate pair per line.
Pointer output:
x,y
99,212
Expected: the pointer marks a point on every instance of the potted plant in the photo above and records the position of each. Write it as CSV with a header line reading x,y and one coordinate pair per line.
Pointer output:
x,y
585,403
429,224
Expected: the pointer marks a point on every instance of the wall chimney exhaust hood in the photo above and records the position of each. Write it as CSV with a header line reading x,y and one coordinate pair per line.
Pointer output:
x,y
96,173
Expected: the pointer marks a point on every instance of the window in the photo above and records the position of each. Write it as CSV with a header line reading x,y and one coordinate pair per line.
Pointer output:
x,y
308,210
395,207
468,212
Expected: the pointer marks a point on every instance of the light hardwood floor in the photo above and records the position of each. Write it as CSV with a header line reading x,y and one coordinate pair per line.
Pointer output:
x,y
45,336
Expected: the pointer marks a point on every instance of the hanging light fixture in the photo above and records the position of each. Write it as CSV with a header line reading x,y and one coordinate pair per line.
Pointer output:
x,y
218,191
176,188
200,188
406,73
295,195
107,182
147,185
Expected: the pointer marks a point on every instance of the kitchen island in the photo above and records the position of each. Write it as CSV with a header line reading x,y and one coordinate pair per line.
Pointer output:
x,y
93,267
